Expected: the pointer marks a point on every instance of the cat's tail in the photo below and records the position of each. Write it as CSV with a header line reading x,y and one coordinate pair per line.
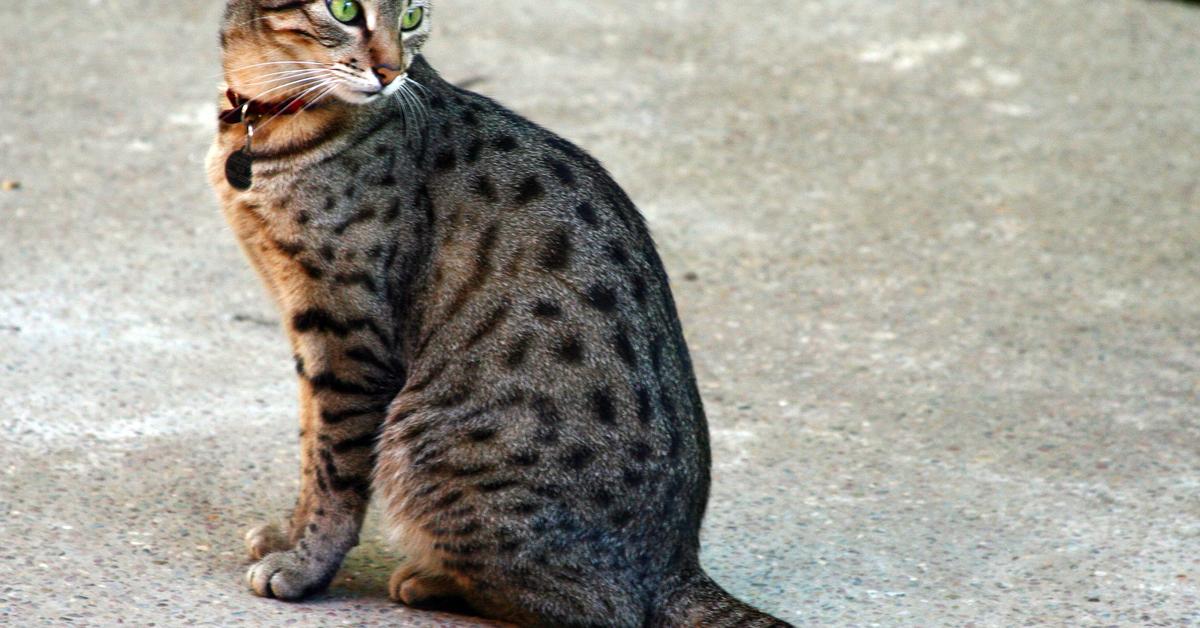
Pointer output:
x,y
698,601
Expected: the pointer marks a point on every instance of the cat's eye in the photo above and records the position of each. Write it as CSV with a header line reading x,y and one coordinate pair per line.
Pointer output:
x,y
412,18
345,11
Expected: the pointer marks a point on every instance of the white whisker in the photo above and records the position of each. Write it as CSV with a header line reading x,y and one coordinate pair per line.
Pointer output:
x,y
284,77
302,81
298,98
319,97
259,65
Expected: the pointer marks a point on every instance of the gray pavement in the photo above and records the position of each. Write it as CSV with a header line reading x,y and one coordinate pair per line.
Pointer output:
x,y
938,263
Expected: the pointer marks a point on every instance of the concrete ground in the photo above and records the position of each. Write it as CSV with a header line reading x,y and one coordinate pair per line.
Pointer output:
x,y
939,265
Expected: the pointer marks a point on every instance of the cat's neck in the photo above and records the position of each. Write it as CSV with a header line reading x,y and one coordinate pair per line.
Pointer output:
x,y
309,131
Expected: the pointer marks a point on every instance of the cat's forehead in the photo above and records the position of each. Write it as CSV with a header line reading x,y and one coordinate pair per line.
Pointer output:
x,y
377,5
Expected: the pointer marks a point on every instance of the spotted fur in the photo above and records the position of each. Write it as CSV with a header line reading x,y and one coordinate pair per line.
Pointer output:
x,y
486,341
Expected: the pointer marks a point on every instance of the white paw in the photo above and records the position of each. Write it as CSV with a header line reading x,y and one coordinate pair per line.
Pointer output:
x,y
289,576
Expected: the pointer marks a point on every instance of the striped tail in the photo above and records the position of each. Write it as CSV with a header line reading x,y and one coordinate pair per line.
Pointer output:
x,y
698,601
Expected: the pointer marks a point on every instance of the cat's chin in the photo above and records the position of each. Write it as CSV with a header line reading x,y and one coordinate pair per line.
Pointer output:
x,y
357,97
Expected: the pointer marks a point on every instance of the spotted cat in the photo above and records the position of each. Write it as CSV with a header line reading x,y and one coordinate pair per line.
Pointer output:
x,y
484,334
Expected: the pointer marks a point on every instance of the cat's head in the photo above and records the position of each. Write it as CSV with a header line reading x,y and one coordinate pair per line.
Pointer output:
x,y
352,50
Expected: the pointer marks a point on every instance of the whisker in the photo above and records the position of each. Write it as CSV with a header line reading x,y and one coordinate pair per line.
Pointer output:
x,y
288,76
405,105
420,101
299,97
319,97
302,81
259,65
408,80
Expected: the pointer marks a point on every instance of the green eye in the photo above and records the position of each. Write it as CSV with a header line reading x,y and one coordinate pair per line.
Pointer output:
x,y
412,18
344,11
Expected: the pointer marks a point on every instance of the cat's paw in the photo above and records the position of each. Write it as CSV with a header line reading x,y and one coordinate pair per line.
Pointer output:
x,y
396,583
266,539
412,589
289,576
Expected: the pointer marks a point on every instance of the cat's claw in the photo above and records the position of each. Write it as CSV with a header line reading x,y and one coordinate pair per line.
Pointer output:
x,y
264,540
288,576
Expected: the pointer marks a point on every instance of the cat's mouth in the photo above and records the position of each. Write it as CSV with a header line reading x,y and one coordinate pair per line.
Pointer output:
x,y
362,90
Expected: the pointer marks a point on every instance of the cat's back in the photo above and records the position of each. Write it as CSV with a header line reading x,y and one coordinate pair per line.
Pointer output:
x,y
550,388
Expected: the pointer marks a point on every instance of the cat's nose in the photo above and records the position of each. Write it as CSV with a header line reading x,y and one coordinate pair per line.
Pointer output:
x,y
386,73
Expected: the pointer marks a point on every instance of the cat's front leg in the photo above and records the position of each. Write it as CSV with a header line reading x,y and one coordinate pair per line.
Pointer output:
x,y
339,422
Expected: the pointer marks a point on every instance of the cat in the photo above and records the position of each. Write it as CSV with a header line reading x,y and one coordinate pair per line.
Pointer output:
x,y
483,331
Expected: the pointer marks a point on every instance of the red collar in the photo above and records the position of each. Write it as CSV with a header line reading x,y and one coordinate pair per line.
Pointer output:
x,y
242,108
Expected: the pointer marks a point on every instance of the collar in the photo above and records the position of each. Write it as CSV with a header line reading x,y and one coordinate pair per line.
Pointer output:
x,y
242,108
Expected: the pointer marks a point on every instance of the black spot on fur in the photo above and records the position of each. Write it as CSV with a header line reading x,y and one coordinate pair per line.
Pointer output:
x,y
545,410
331,382
562,172
571,350
530,190
363,355
602,298
494,320
556,250
602,497
525,508
587,213
602,406
469,118
362,215
481,435
448,499
492,486
366,441
445,161
656,353
525,458
485,188
505,143
624,347
474,150
516,355
291,249
311,269
393,211
639,290
549,491
617,253
546,434
578,457
632,477
644,410
547,309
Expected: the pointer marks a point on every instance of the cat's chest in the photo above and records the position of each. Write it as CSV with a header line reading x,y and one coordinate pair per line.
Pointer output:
x,y
312,240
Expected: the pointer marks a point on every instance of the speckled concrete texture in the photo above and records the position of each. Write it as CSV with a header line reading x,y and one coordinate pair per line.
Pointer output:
x,y
938,262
